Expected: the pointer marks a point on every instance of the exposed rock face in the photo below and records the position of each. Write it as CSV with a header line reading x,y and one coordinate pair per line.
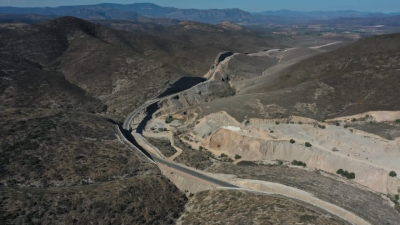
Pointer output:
x,y
203,92
253,145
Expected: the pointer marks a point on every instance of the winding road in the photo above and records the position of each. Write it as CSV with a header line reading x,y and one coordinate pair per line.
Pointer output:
x,y
126,128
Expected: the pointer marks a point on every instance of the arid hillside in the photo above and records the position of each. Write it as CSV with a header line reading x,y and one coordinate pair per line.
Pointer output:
x,y
356,78
62,161
122,69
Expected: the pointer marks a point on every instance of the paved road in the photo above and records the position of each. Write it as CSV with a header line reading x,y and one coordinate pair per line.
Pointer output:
x,y
194,173
126,127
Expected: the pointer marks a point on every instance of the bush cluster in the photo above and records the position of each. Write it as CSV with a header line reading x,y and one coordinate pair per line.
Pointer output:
x,y
169,119
308,144
225,158
392,174
238,156
346,174
321,126
298,163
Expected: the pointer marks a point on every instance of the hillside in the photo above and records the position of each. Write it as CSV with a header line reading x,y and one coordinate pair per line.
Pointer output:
x,y
61,161
357,78
110,65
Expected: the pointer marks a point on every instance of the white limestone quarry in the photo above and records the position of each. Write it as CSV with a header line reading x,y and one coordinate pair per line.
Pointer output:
x,y
369,156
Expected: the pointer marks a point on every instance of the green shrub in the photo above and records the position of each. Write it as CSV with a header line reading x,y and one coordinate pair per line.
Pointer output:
x,y
277,122
346,174
397,197
353,120
321,126
308,144
300,123
247,163
292,141
238,156
346,126
169,119
398,121
337,124
392,174
298,163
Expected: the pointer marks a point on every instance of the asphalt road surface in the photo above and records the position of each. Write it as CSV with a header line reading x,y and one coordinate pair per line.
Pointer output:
x,y
194,173
126,127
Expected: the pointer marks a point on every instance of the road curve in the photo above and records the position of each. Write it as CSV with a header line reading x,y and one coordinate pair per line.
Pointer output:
x,y
126,128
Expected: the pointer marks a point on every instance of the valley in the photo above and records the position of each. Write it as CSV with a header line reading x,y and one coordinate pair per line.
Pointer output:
x,y
146,114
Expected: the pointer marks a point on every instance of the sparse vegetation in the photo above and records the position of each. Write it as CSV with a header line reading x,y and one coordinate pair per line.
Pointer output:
x,y
239,207
225,158
238,157
164,145
197,159
398,121
353,120
346,126
392,174
247,163
300,123
307,144
321,126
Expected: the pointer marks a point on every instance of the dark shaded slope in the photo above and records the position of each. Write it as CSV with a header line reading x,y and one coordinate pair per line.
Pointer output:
x,y
122,69
24,84
60,158
66,167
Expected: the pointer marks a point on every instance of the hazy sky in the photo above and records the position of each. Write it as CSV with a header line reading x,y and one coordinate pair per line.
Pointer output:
x,y
248,5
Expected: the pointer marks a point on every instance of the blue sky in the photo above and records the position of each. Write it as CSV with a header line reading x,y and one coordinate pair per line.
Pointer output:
x,y
248,5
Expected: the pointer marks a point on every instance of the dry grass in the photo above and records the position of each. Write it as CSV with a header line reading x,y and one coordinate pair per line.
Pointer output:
x,y
237,207
366,204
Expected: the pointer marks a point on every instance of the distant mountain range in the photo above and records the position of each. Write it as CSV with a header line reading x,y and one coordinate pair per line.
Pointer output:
x,y
146,12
